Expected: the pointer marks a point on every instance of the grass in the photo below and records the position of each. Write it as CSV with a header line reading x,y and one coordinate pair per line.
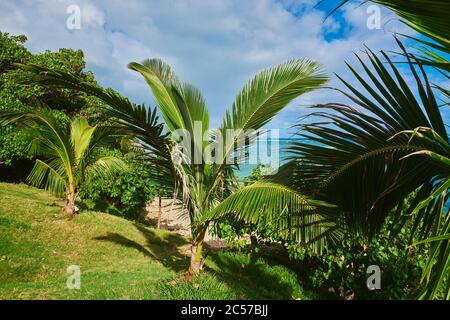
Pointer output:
x,y
118,258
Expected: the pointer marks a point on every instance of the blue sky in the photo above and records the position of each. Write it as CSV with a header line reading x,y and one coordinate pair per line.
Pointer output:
x,y
216,45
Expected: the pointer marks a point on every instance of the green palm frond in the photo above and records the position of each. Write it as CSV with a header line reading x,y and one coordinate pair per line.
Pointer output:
x,y
46,176
271,90
436,272
47,137
81,136
437,268
134,119
105,168
296,216
267,93
161,79
70,155
260,100
427,17
357,160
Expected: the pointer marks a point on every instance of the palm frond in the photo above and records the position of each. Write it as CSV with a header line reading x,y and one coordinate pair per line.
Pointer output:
x,y
135,119
81,136
160,78
105,168
427,17
261,99
270,91
296,216
44,175
356,160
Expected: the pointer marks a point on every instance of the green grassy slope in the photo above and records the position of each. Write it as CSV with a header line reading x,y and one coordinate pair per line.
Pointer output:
x,y
119,259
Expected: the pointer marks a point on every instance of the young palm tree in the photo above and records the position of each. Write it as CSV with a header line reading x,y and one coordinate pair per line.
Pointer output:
x,y
367,163
201,185
69,157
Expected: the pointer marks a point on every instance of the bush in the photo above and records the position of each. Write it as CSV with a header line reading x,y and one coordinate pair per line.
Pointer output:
x,y
126,195
343,267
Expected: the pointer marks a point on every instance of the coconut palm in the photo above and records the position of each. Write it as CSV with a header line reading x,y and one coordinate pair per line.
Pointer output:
x,y
367,160
201,185
68,157
367,163
436,270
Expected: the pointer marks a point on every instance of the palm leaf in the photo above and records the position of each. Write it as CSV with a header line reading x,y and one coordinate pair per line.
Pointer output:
x,y
260,100
46,176
106,167
160,78
352,159
297,217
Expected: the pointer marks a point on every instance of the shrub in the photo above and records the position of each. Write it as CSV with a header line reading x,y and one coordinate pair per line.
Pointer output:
x,y
343,267
126,195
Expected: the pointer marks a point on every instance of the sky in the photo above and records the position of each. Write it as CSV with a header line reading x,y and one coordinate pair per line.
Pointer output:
x,y
217,45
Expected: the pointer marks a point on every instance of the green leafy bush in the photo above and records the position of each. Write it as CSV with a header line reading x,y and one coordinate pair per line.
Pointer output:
x,y
343,267
126,195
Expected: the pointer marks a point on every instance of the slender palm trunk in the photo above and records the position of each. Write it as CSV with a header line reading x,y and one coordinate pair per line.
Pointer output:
x,y
197,258
158,226
70,209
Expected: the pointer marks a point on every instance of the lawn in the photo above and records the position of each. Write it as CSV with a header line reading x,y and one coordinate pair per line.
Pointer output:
x,y
118,258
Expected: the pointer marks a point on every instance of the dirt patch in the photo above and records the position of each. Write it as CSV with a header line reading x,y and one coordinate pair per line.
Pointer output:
x,y
175,218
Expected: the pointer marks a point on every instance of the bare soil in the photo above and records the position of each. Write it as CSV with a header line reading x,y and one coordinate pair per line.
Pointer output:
x,y
175,218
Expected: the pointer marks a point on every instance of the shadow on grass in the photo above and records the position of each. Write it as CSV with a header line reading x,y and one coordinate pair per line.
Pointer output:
x,y
254,278
262,276
164,248
303,270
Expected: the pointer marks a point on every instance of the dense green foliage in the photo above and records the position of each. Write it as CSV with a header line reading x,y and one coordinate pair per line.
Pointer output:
x,y
125,194
199,186
343,267
337,207
15,96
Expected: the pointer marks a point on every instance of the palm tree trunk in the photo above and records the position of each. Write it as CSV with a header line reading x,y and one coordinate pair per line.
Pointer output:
x,y
70,209
197,258
158,225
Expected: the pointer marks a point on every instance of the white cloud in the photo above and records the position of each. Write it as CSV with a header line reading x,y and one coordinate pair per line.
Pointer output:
x,y
216,45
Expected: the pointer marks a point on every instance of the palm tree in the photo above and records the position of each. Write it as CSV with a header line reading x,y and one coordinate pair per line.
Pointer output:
x,y
365,164
70,157
201,185
430,19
